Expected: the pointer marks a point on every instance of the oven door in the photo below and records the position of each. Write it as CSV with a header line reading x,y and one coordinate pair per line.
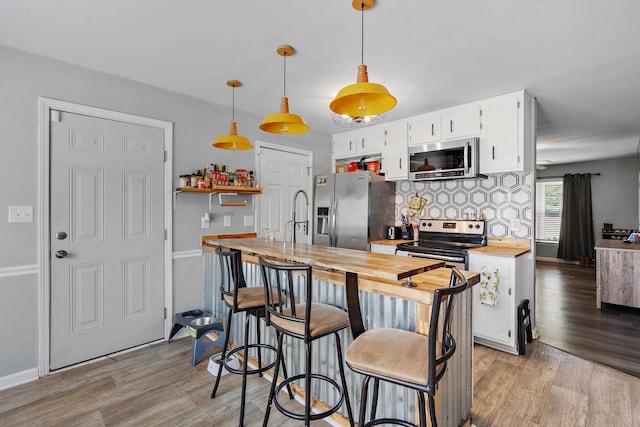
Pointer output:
x,y
459,262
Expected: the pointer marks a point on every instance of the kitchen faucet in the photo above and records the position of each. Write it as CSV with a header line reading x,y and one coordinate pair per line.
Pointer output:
x,y
293,221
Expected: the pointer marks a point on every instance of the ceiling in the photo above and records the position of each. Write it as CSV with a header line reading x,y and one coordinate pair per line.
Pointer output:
x,y
579,58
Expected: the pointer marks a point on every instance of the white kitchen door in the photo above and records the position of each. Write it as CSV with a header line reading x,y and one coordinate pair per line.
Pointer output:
x,y
107,237
282,173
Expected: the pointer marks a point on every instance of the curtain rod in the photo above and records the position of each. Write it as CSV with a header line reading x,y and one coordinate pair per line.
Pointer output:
x,y
562,176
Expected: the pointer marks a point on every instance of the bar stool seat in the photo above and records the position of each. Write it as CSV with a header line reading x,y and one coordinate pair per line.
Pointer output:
x,y
290,310
238,297
406,358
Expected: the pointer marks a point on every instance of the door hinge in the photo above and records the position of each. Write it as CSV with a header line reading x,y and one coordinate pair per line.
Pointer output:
x,y
308,170
518,103
166,155
165,312
54,115
507,334
509,291
165,234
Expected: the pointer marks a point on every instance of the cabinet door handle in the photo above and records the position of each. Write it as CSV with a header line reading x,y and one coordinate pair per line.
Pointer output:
x,y
349,145
400,163
451,126
362,143
433,133
493,152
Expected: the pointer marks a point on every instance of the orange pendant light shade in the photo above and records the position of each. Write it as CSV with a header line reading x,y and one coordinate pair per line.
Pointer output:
x,y
284,122
362,100
233,141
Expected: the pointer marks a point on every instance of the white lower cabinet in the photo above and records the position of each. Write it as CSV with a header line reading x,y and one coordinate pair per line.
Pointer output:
x,y
383,249
496,326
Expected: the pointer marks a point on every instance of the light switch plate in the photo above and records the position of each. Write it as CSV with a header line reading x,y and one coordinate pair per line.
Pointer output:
x,y
227,220
20,213
248,220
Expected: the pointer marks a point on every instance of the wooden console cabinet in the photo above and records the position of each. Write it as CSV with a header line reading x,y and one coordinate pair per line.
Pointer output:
x,y
617,273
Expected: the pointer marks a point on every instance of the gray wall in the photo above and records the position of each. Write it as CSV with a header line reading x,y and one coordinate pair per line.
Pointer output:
x,y
23,78
614,194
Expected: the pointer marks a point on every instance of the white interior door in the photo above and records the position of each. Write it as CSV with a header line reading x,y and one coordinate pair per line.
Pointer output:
x,y
281,174
107,237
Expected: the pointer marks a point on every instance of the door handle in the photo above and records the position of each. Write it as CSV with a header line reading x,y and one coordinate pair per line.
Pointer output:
x,y
61,254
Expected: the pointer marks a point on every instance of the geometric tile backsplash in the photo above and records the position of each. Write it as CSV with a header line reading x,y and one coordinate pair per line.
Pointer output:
x,y
500,197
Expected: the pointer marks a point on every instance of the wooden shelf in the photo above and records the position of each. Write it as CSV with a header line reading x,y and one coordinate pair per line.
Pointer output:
x,y
222,189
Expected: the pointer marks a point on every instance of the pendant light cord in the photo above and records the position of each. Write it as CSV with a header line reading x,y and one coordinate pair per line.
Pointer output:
x,y
285,74
362,34
233,103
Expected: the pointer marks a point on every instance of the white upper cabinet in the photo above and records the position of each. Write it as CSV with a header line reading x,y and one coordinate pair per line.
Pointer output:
x,y
502,137
424,129
395,155
460,122
357,142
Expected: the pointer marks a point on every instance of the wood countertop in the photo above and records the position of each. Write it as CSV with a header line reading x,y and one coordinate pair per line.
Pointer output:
x,y
368,265
606,244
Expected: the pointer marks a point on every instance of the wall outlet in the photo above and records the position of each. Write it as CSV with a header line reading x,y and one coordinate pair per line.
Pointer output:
x,y
227,220
20,213
248,220
204,221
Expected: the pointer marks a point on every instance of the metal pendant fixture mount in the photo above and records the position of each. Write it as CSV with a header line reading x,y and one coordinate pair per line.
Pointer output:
x,y
361,101
284,122
233,141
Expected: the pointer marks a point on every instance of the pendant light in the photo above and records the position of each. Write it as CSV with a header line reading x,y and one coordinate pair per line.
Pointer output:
x,y
233,141
284,122
362,100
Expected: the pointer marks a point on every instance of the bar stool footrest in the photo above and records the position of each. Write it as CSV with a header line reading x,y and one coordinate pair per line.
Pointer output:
x,y
313,416
252,371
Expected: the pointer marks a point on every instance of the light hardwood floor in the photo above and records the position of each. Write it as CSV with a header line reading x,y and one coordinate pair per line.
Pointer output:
x,y
158,386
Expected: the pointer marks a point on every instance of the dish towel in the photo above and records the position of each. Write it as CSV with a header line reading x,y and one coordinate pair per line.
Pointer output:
x,y
416,203
489,286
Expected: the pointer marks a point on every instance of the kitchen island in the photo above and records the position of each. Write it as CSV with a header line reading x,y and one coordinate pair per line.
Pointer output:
x,y
617,273
378,281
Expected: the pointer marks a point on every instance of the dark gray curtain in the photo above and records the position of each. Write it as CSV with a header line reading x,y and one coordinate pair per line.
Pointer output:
x,y
576,228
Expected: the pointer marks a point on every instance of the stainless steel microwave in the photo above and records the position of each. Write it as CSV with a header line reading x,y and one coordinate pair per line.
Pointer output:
x,y
445,160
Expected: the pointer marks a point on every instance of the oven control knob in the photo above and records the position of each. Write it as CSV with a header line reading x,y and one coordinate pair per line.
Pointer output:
x,y
470,225
429,225
477,225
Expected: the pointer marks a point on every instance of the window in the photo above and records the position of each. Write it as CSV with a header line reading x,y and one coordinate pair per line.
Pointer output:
x,y
548,210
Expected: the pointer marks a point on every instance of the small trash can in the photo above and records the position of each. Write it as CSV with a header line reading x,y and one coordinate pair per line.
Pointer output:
x,y
214,364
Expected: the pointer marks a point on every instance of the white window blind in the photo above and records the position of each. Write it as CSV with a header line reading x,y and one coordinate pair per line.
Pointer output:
x,y
548,210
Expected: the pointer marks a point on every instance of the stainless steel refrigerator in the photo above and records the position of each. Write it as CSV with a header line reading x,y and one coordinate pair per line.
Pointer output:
x,y
350,209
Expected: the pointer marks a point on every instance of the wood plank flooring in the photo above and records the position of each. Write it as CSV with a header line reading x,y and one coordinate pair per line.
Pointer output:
x,y
567,318
157,386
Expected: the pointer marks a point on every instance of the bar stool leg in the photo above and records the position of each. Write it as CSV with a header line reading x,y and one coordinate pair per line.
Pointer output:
x,y
307,386
363,400
343,379
374,400
224,353
245,364
258,339
432,410
276,368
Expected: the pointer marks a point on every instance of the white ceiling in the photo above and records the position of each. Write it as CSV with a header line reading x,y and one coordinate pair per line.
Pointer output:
x,y
579,58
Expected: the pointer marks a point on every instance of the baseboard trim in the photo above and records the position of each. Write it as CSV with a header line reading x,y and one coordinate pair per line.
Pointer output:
x,y
19,270
18,378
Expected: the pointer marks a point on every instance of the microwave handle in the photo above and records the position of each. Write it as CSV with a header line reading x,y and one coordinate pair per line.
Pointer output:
x,y
467,151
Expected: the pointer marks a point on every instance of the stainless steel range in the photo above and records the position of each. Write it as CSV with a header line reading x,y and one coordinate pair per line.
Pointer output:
x,y
446,240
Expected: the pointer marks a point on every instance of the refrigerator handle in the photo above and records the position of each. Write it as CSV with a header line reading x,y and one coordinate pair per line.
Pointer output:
x,y
332,222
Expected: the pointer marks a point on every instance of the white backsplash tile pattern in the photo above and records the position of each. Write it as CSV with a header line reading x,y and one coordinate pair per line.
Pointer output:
x,y
501,198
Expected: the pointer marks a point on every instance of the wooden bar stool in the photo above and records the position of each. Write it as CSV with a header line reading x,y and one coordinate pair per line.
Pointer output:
x,y
250,300
291,311
407,358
